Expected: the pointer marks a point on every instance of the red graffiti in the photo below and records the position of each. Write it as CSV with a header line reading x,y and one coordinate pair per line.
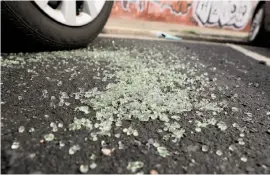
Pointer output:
x,y
179,7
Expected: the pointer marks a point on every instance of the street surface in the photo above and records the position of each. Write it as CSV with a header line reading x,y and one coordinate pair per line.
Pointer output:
x,y
136,106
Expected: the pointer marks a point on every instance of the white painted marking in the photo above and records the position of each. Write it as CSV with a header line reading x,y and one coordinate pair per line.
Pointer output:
x,y
251,54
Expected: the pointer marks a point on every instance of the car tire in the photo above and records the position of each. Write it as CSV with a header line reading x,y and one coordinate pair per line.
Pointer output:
x,y
26,27
258,35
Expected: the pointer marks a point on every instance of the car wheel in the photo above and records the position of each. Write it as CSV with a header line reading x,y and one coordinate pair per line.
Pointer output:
x,y
257,34
52,25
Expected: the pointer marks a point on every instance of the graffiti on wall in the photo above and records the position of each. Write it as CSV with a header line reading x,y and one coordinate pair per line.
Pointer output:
x,y
175,7
234,14
140,5
225,14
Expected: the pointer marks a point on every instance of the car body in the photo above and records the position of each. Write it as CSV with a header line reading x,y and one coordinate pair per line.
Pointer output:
x,y
260,23
267,16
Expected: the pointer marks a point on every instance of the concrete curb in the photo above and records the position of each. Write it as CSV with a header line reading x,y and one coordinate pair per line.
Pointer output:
x,y
183,35
127,31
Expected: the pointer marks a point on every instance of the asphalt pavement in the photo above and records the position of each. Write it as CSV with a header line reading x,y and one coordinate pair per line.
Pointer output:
x,y
135,106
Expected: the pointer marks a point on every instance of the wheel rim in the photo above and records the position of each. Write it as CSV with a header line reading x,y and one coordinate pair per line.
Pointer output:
x,y
71,12
256,25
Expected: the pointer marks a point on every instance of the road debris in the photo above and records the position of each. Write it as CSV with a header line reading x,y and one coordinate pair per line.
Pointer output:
x,y
54,127
219,153
32,155
120,145
41,141
222,126
92,157
241,141
60,125
205,148
126,96
84,109
79,123
198,129
32,130
131,131
72,150
60,83
49,137
165,35
61,144
15,145
244,159
106,151
84,168
163,152
117,135
134,166
153,172
21,129
93,165
232,147
235,109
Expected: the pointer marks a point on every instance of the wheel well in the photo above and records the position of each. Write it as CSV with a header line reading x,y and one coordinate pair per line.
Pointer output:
x,y
257,8
261,38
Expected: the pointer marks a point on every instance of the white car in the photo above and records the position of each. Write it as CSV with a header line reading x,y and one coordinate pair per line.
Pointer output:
x,y
260,24
52,25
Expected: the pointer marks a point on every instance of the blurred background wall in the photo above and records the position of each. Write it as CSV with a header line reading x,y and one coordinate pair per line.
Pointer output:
x,y
227,15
